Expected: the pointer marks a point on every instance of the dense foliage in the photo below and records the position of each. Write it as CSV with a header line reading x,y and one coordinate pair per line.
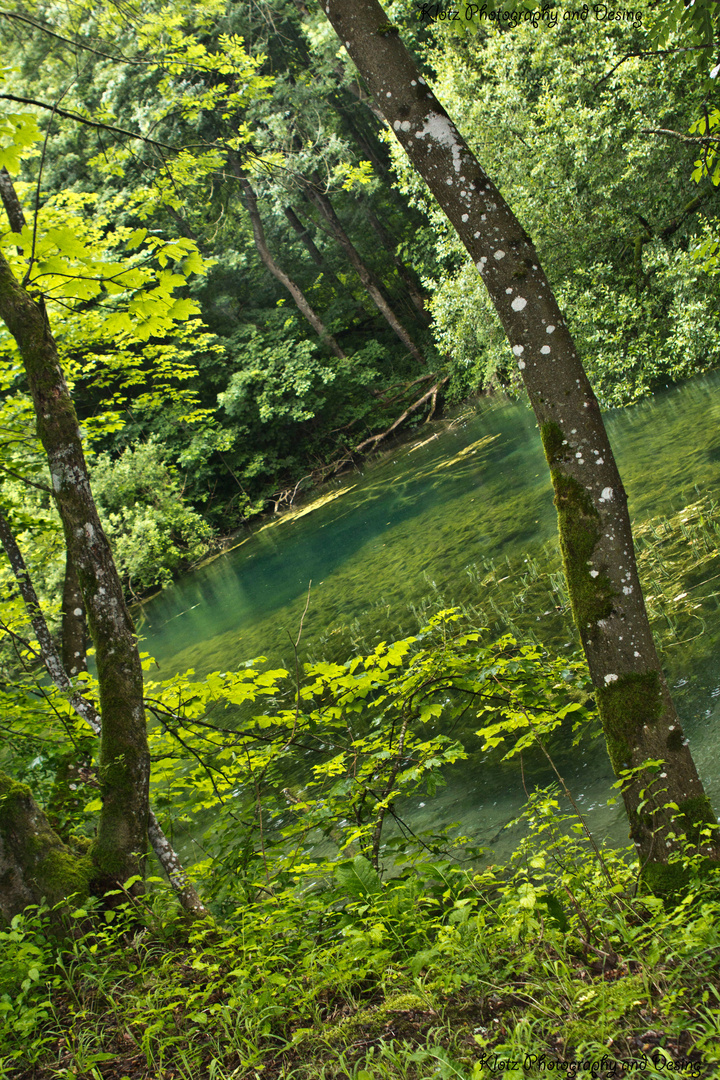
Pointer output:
x,y
243,104
441,971
175,179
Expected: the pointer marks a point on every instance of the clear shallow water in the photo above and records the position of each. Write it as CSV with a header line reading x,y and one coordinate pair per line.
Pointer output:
x,y
464,515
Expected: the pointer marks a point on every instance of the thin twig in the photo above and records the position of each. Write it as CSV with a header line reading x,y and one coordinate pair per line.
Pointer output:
x,y
297,668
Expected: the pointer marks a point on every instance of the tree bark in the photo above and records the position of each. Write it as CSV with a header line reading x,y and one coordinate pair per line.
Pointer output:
x,y
306,239
295,291
57,670
372,285
119,849
637,712
13,207
34,862
74,625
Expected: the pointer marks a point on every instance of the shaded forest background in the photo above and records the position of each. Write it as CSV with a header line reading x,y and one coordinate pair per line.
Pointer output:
x,y
329,297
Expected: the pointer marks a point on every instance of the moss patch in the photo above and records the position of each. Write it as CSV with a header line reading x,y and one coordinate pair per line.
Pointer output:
x,y
34,862
694,813
624,706
669,880
579,528
553,442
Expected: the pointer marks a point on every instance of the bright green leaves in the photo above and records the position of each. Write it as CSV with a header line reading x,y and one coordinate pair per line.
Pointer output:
x,y
709,163
19,133
185,59
358,878
692,25
324,765
707,254
76,261
351,176
525,696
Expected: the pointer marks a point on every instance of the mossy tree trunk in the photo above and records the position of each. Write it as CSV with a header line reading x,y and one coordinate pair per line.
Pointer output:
x,y
638,716
75,771
34,862
119,850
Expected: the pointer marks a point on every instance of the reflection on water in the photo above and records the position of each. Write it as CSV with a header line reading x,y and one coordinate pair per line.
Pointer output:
x,y
463,515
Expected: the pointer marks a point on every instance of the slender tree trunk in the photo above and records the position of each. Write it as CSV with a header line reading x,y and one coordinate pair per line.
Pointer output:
x,y
634,702
13,207
295,291
407,276
306,239
57,670
119,849
322,202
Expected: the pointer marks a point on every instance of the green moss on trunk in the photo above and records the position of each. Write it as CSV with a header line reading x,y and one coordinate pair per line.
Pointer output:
x,y
624,706
553,442
34,862
579,527
693,814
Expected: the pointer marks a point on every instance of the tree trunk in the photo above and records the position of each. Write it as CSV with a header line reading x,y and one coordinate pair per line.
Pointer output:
x,y
634,702
322,202
407,276
72,769
306,239
74,626
295,291
119,849
34,862
13,207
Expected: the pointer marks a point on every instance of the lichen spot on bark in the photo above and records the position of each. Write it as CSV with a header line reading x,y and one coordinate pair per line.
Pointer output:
x,y
579,529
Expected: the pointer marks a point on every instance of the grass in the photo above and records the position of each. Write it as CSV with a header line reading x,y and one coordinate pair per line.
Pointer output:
x,y
555,963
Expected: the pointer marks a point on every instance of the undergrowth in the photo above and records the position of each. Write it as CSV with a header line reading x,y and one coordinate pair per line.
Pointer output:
x,y
554,963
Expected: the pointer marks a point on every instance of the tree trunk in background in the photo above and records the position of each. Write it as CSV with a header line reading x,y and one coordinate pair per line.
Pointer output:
x,y
634,702
308,242
372,285
295,291
119,849
390,244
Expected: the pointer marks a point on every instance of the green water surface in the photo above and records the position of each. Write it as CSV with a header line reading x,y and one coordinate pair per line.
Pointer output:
x,y
463,514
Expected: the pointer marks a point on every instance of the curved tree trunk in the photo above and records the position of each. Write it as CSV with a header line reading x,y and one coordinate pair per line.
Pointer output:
x,y
295,291
637,712
119,849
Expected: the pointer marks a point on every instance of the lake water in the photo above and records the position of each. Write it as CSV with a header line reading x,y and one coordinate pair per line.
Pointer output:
x,y
463,515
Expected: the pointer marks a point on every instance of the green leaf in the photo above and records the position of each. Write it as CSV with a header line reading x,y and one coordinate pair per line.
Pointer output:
x,y
359,877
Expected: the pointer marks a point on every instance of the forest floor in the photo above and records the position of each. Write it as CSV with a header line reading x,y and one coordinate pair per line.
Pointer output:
x,y
445,973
